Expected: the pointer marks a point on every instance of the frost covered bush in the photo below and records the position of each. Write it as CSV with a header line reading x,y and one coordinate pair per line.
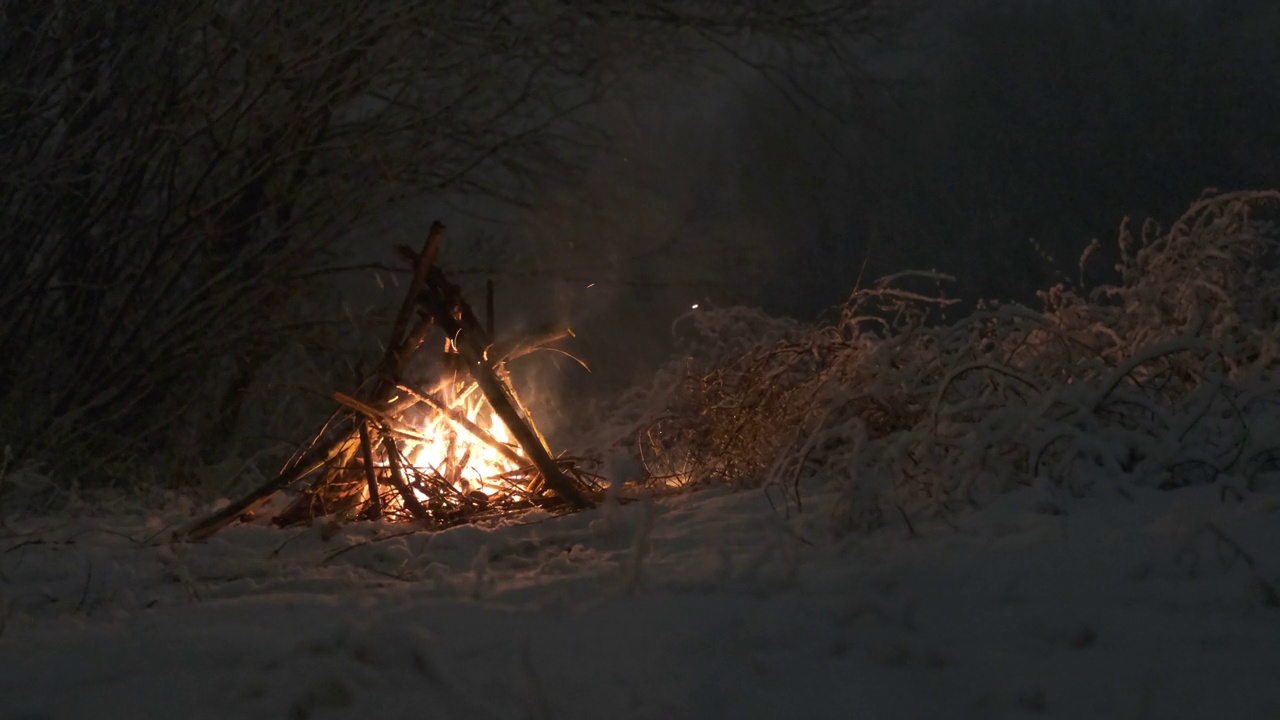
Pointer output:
x,y
1164,378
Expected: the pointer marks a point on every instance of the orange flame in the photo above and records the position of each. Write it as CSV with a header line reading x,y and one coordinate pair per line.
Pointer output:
x,y
452,453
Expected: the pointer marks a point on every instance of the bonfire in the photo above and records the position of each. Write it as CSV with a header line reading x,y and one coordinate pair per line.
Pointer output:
x,y
451,448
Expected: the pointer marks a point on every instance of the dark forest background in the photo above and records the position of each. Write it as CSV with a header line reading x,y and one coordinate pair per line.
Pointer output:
x,y
195,196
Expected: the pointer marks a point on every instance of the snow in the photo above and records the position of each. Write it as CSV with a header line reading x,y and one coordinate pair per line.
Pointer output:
x,y
713,603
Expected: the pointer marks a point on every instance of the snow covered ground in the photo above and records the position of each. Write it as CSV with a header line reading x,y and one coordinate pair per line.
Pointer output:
x,y
705,605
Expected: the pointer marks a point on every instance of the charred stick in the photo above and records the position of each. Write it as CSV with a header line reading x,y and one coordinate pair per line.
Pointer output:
x,y
370,474
397,479
438,482
422,263
441,299
412,342
404,341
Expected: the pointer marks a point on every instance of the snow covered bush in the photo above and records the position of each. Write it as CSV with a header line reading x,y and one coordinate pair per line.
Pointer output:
x,y
1165,377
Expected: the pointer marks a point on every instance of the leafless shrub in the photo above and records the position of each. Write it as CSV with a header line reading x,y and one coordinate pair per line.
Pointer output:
x,y
1165,378
175,177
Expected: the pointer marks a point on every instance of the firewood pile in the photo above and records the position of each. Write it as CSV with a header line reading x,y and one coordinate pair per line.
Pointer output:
x,y
452,449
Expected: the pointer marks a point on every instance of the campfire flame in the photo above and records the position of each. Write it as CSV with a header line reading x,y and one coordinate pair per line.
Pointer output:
x,y
440,455
469,463
449,453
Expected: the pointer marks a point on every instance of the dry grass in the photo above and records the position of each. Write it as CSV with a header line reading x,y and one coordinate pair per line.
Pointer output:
x,y
1165,378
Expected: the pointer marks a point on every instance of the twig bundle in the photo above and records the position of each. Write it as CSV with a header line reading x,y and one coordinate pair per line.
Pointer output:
x,y
363,461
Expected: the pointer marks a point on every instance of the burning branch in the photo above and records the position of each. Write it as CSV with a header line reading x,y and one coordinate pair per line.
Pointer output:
x,y
366,450
461,422
397,479
445,470
444,301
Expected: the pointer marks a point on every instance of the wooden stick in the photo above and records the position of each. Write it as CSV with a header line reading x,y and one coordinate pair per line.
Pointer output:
x,y
390,425
370,474
441,298
397,479
364,409
412,342
314,458
544,337
421,265
404,341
